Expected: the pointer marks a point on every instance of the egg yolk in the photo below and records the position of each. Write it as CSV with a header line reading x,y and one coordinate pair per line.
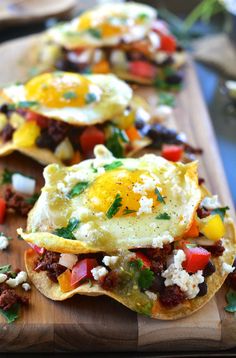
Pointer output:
x,y
102,192
58,90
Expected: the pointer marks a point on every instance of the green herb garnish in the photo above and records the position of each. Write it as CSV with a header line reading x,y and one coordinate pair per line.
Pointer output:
x,y
166,98
69,95
32,200
136,264
7,176
78,189
115,140
95,33
220,211
90,98
115,206
113,165
12,314
143,16
231,299
94,169
5,269
27,104
146,277
67,232
163,216
128,211
160,198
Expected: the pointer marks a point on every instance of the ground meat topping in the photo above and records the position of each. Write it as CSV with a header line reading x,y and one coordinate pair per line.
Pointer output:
x,y
171,296
7,133
110,281
158,257
231,279
17,202
8,297
49,262
217,249
203,213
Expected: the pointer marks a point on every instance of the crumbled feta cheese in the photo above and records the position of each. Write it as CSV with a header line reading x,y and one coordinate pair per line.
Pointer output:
x,y
82,213
62,188
226,268
18,280
68,260
160,240
26,286
98,272
102,156
176,275
3,277
88,232
110,260
100,170
154,39
4,242
145,205
151,295
23,184
162,112
77,176
149,184
211,202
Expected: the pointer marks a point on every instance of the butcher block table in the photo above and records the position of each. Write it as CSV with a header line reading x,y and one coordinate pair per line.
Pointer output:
x,y
87,324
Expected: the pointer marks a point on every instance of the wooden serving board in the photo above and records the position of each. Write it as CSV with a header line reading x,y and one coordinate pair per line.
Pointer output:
x,y
100,324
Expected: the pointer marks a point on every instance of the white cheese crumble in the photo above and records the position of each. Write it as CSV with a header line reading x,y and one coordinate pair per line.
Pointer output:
x,y
77,176
26,286
226,268
151,295
210,202
3,277
62,188
102,156
68,260
162,239
149,184
145,205
4,242
176,275
162,112
23,184
110,260
88,232
98,272
18,280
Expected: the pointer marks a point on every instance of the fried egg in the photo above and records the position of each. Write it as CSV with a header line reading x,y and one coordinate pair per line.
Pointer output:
x,y
105,25
119,203
72,98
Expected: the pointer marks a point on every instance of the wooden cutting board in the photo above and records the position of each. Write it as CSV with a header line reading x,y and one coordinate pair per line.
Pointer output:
x,y
100,324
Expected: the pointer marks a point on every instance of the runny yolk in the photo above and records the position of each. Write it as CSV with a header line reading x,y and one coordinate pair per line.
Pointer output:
x,y
58,90
104,189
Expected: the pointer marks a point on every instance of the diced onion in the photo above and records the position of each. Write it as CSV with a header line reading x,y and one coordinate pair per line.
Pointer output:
x,y
68,260
64,150
23,184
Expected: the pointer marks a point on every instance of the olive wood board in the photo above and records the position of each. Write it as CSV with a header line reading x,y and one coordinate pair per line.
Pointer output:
x,y
87,324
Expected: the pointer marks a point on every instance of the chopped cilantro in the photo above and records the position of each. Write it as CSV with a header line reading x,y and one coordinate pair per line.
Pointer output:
x,y
67,232
143,16
95,33
32,200
128,211
70,95
27,104
113,165
160,84
94,169
167,99
231,299
5,269
7,176
159,196
115,206
136,264
12,314
90,98
163,216
115,140
146,277
78,189
220,211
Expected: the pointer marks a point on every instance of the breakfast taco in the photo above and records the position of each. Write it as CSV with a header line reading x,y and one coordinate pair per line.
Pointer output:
x,y
142,231
126,39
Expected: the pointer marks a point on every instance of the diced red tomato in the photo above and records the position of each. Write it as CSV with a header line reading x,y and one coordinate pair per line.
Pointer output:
x,y
41,121
172,152
3,206
142,69
144,259
196,259
82,270
37,249
90,137
168,43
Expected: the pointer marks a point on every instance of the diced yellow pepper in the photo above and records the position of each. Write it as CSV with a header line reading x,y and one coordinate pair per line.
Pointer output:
x,y
125,121
64,281
3,121
16,120
26,134
212,227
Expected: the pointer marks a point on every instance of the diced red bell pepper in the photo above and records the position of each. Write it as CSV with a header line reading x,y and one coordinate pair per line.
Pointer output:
x,y
142,69
172,152
82,270
145,260
168,43
41,121
3,207
90,137
37,249
196,259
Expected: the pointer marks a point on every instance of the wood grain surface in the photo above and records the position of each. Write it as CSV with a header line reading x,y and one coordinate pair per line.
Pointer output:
x,y
88,324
